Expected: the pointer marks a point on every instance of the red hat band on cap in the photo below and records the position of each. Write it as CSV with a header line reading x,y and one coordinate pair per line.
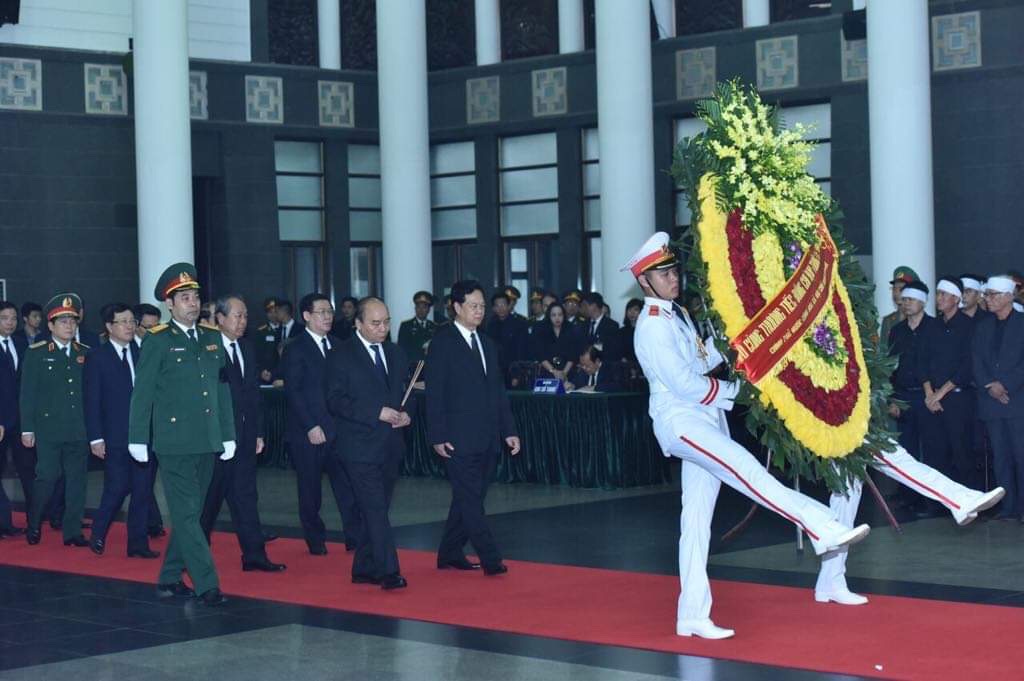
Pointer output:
x,y
649,261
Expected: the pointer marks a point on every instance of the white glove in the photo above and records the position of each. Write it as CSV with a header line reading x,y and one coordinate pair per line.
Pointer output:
x,y
139,452
726,397
229,451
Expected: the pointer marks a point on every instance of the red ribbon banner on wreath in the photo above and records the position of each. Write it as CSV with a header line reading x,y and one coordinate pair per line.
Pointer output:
x,y
779,325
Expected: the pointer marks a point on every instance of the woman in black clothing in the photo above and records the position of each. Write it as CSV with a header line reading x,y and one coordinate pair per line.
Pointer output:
x,y
628,327
555,344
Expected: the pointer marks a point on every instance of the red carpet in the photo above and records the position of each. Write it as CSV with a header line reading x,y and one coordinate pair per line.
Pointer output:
x,y
898,638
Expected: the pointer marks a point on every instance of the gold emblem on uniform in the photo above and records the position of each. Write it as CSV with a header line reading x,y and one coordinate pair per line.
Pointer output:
x,y
211,348
80,359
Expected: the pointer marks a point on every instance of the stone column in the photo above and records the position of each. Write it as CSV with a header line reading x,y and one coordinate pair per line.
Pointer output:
x,y
570,26
488,32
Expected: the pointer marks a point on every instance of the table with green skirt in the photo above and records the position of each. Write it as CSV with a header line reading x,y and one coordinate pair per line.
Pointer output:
x,y
582,440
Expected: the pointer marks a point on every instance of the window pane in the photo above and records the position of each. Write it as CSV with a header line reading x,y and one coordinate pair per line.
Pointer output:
x,y
590,146
818,117
452,158
826,187
364,192
592,215
453,224
689,127
517,260
523,285
683,215
529,185
359,260
532,218
297,157
528,150
821,160
592,179
300,225
596,266
365,225
459,190
297,190
307,270
364,159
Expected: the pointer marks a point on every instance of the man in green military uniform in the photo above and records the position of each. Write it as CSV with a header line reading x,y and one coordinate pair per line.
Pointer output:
x,y
901,276
414,334
53,420
180,399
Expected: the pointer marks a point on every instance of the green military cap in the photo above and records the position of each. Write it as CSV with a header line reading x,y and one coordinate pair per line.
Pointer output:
x,y
513,292
423,297
573,295
904,274
177,277
536,294
64,304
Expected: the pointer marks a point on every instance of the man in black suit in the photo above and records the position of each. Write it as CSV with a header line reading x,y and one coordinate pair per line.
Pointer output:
x,y
508,331
364,393
998,363
600,329
88,338
311,431
345,322
12,352
235,479
592,375
33,329
468,422
109,379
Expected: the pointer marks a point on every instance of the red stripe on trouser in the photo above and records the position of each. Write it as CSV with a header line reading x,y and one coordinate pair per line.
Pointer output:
x,y
712,392
749,486
906,475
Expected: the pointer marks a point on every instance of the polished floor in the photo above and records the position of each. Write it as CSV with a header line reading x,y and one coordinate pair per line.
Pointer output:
x,y
56,625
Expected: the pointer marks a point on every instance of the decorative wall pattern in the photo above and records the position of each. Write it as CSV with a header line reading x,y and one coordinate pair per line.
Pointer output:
x,y
854,59
483,100
21,84
198,98
105,90
777,63
550,94
695,73
336,103
956,41
264,99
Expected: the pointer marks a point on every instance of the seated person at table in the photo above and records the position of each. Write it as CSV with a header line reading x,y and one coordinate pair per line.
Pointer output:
x,y
592,376
555,343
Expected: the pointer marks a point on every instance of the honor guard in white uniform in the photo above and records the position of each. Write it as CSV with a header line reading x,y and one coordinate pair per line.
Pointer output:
x,y
687,407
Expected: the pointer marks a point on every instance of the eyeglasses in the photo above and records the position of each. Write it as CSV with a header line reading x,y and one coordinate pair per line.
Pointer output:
x,y
475,306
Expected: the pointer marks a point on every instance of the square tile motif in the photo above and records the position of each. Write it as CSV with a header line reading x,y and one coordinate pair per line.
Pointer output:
x,y
336,103
550,94
777,63
106,90
956,41
855,59
21,84
264,99
198,100
483,100
695,73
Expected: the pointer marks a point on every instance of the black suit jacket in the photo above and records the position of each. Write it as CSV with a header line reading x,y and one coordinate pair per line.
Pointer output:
x,y
1004,364
89,338
355,395
607,335
108,394
607,380
10,378
304,369
245,395
464,406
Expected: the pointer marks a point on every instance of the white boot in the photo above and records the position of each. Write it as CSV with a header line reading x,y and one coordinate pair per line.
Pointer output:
x,y
841,596
703,628
844,538
969,512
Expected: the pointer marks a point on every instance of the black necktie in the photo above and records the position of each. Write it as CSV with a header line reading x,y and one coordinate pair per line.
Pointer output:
x,y
323,345
476,350
192,335
593,330
234,359
124,363
378,363
7,353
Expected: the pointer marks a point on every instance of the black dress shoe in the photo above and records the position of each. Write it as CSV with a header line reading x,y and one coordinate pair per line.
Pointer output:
x,y
318,549
11,531
262,565
156,532
365,579
350,547
97,546
32,536
269,537
178,588
457,564
56,524
144,553
393,582
499,569
212,598
76,541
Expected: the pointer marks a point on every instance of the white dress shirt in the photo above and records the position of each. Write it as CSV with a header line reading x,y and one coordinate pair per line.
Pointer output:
x,y
7,342
369,348
318,338
467,336
233,352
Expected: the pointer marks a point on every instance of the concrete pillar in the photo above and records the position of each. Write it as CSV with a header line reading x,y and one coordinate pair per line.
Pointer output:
x,y
404,152
570,26
163,146
328,23
626,137
488,32
900,125
756,13
665,17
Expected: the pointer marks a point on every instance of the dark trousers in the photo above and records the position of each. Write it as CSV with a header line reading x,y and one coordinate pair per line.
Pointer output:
x,y
154,521
186,478
946,438
311,462
123,475
235,481
469,474
1007,436
55,461
6,522
24,460
373,485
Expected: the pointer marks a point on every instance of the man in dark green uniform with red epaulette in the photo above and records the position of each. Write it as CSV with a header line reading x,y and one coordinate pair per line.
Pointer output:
x,y
53,420
180,399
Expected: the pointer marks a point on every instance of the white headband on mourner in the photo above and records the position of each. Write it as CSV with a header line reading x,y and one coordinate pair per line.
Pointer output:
x,y
1000,285
969,283
949,287
914,293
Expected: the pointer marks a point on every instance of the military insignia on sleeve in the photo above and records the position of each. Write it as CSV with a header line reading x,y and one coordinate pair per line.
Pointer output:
x,y
653,311
212,347
37,344
80,359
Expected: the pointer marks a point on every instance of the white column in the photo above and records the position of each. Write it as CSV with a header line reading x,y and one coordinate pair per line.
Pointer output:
x,y
404,152
488,32
163,146
900,129
570,26
625,121
756,13
328,23
665,17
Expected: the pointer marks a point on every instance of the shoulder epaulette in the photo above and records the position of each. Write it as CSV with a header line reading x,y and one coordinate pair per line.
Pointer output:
x,y
158,328
262,328
80,344
209,327
38,344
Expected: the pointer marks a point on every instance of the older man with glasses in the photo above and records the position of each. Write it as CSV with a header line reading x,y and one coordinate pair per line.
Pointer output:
x,y
998,364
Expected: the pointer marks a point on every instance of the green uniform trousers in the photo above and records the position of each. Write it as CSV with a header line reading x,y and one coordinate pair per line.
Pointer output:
x,y
53,460
186,478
